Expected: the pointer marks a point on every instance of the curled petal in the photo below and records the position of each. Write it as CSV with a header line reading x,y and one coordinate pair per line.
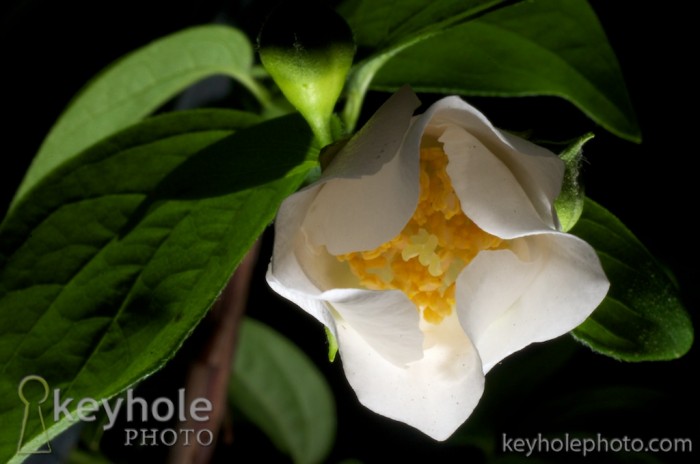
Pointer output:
x,y
387,320
371,181
545,287
535,171
285,274
488,191
299,271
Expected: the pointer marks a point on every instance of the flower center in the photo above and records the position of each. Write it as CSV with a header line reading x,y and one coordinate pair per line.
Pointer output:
x,y
425,259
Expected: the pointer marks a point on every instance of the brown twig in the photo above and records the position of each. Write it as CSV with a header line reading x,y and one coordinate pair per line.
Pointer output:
x,y
209,374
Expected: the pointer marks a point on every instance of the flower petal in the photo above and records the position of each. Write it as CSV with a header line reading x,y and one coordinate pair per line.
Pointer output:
x,y
535,171
487,189
544,287
285,274
387,320
435,394
371,181
300,271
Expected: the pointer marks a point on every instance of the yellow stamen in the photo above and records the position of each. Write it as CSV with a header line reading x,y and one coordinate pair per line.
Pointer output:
x,y
425,259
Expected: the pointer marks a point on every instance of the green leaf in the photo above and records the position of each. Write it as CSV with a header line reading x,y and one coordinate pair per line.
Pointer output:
x,y
380,24
542,47
136,85
642,318
389,27
280,390
111,260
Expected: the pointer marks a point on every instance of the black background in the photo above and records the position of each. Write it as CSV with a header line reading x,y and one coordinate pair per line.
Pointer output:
x,y
50,49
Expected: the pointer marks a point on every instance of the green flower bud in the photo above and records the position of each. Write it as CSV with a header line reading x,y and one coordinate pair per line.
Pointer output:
x,y
308,50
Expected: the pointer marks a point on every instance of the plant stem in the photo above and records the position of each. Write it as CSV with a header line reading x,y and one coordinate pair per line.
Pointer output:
x,y
209,374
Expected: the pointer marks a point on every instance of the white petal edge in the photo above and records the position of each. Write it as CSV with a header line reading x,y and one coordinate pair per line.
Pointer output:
x,y
487,189
373,180
544,287
435,394
537,171
387,320
301,272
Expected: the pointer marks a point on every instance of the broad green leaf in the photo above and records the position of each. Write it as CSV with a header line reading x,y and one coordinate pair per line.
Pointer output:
x,y
380,24
387,27
280,390
112,259
137,84
542,47
642,318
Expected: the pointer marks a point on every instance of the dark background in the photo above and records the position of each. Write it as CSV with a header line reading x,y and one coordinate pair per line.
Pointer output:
x,y
50,49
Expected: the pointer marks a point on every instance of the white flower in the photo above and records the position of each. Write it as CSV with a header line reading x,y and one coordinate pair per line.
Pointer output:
x,y
430,248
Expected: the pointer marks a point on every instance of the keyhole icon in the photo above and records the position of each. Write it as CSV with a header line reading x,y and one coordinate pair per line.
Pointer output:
x,y
31,413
